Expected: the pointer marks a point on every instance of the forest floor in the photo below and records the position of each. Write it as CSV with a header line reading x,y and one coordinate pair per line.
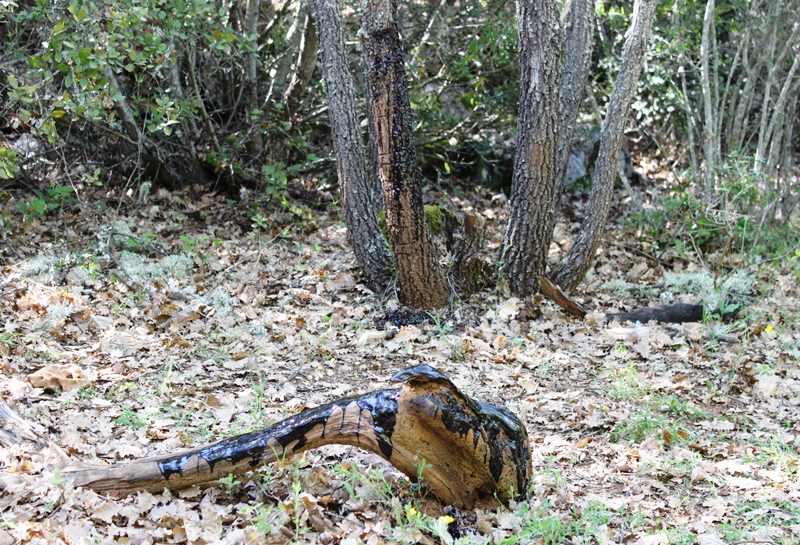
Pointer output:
x,y
179,322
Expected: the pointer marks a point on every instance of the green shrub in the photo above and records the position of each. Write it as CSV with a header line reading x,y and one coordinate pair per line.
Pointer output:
x,y
159,81
739,221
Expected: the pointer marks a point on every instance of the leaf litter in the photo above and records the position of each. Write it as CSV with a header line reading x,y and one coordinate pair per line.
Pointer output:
x,y
183,325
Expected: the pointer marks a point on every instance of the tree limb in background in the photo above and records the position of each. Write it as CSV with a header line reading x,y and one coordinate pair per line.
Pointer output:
x,y
709,149
189,124
191,58
304,67
147,148
578,46
582,253
250,80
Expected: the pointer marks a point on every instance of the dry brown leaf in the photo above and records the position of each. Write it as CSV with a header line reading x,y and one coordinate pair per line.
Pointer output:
x,y
59,378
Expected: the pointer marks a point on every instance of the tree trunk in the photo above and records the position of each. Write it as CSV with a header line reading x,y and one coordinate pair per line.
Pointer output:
x,y
578,48
421,282
690,128
775,128
582,253
763,50
767,108
532,205
708,106
360,202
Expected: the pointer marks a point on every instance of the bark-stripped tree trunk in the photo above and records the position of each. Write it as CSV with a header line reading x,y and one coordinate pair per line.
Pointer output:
x,y
581,255
360,201
421,282
533,185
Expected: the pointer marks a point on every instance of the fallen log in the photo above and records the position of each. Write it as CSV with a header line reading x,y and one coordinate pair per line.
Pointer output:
x,y
677,313
468,452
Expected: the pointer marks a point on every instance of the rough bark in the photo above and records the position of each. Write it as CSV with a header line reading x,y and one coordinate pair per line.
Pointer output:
x,y
475,453
533,184
465,240
360,201
578,47
581,254
421,282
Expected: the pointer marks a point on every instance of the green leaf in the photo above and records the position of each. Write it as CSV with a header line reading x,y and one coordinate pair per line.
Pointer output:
x,y
36,61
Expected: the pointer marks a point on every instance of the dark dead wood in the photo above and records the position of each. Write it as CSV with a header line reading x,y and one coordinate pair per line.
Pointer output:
x,y
560,298
677,314
472,453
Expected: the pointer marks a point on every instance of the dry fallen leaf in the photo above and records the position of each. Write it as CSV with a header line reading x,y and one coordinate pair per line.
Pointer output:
x,y
59,378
